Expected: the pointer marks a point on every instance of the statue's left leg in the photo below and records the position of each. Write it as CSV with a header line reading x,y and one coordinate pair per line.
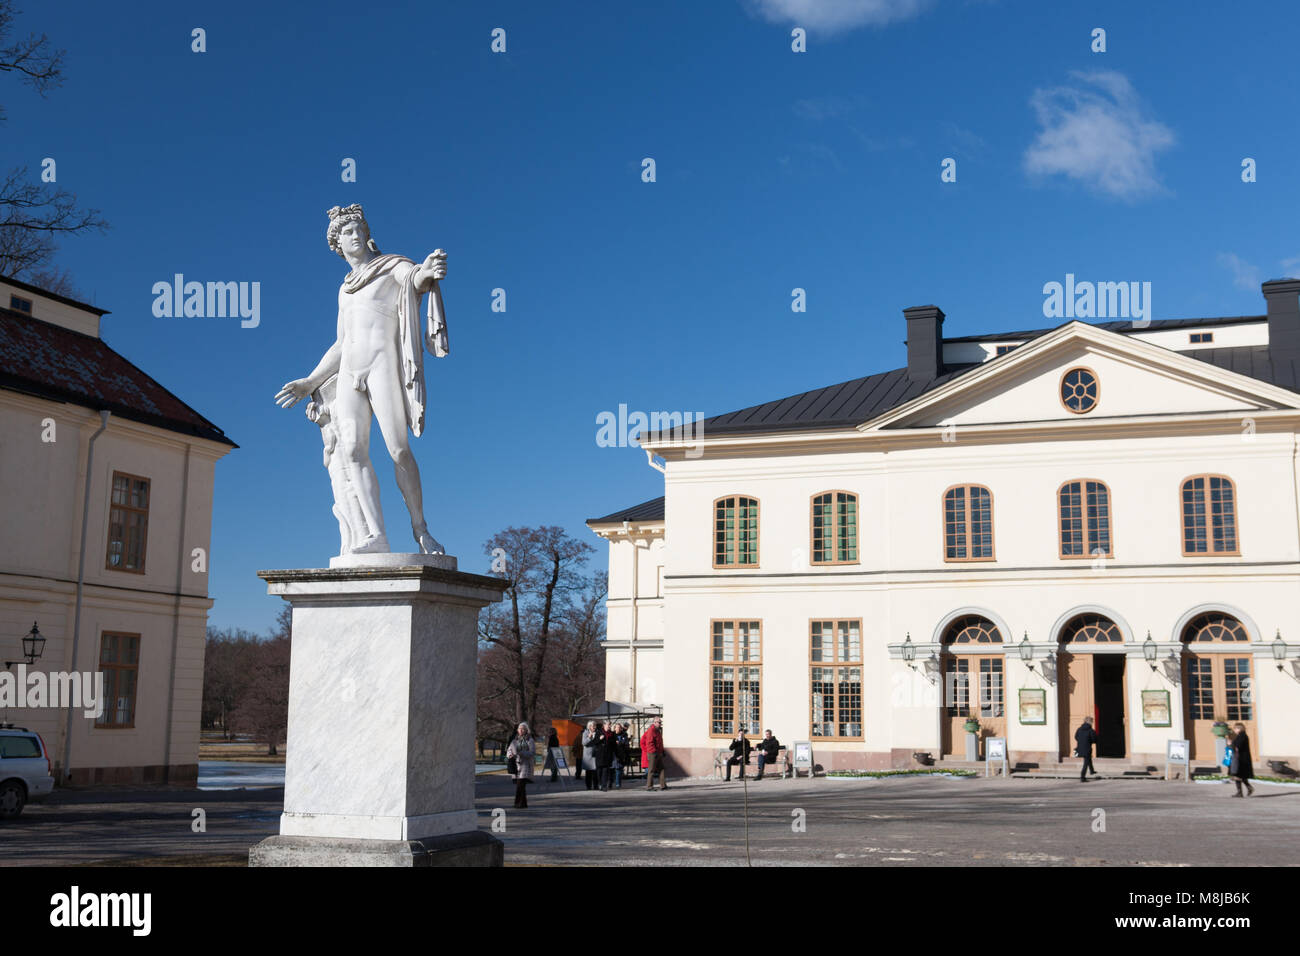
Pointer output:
x,y
390,412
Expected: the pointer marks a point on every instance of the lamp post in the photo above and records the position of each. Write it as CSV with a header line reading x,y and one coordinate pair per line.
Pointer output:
x,y
33,647
1279,649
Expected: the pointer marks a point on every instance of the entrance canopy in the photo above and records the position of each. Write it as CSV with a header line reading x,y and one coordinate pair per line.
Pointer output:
x,y
612,709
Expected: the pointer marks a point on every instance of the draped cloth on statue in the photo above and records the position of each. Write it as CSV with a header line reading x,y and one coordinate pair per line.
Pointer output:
x,y
412,343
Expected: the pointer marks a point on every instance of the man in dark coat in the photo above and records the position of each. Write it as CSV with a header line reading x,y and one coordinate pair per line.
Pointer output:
x,y
1242,767
740,748
604,751
1084,738
768,748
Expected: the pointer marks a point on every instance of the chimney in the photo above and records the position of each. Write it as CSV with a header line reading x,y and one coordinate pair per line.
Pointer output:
x,y
1283,297
925,342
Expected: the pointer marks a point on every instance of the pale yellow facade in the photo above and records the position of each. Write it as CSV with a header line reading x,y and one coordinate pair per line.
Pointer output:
x,y
44,449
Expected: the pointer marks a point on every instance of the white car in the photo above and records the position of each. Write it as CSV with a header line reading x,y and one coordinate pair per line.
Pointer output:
x,y
24,770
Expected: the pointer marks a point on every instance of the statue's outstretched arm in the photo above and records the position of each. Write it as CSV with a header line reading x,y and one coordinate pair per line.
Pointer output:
x,y
294,392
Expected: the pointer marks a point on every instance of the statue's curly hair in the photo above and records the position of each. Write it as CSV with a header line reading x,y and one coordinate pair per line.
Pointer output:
x,y
339,217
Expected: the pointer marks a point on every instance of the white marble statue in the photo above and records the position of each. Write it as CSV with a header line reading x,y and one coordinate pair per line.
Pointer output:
x,y
378,359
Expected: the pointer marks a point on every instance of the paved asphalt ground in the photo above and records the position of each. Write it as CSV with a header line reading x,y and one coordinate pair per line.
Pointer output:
x,y
901,822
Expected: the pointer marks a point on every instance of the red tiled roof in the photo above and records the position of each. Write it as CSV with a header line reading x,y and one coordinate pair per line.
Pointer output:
x,y
43,359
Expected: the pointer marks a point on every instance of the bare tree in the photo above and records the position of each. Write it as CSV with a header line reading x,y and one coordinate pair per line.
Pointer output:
x,y
33,215
543,566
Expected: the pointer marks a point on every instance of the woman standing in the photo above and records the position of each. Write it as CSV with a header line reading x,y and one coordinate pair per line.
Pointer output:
x,y
590,740
521,748
1242,768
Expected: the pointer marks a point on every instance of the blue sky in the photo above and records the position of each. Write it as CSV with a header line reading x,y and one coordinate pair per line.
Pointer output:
x,y
775,170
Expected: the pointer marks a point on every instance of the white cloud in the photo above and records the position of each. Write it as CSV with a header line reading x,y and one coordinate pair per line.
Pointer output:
x,y
818,108
1291,267
836,16
1097,132
1244,275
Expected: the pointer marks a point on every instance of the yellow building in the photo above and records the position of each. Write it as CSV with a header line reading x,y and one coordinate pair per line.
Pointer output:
x,y
83,432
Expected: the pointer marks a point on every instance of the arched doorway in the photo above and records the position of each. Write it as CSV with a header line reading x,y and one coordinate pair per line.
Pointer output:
x,y
974,684
1217,677
1091,683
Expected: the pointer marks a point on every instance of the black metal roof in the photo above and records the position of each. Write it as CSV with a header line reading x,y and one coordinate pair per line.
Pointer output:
x,y
1254,361
652,510
848,403
851,403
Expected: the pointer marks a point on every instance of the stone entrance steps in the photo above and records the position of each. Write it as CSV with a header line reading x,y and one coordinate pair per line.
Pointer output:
x,y
1108,768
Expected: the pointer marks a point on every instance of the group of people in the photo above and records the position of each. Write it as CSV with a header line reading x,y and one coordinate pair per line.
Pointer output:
x,y
1241,766
605,751
600,755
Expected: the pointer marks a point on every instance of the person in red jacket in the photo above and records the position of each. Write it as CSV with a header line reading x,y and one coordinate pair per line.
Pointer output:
x,y
652,754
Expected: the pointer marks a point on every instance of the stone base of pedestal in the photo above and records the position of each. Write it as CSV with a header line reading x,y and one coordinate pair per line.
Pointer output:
x,y
458,849
380,746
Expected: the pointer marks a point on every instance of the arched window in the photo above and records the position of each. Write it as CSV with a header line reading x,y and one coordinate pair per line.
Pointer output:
x,y
968,523
735,532
1218,684
1215,626
1083,510
972,629
1091,629
1209,515
835,528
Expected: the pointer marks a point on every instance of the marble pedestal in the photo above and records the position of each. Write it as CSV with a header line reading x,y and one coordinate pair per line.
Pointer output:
x,y
379,768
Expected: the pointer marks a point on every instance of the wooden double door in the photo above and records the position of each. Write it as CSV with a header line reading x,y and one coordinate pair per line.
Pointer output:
x,y
1093,685
974,686
1217,685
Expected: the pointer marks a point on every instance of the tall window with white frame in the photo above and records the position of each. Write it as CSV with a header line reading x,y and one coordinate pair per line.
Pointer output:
x,y
735,532
835,528
836,679
968,523
128,523
735,678
1209,516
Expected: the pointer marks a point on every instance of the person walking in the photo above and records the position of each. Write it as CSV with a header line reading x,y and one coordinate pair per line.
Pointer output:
x,y
652,750
552,741
590,739
740,748
1242,767
1084,738
521,750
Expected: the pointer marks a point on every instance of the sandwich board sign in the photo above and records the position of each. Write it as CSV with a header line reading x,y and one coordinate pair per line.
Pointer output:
x,y
557,758
995,749
1179,752
803,757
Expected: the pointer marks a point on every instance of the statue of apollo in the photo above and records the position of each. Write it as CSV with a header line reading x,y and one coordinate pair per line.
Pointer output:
x,y
375,367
